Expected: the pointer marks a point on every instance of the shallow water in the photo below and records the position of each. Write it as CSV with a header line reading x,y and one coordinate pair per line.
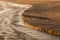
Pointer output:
x,y
11,27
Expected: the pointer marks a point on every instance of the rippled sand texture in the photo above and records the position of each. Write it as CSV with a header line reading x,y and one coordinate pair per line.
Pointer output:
x,y
11,27
9,17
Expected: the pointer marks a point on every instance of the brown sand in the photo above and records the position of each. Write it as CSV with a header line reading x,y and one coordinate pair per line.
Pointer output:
x,y
28,1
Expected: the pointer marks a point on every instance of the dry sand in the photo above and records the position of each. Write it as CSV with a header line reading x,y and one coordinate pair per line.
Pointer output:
x,y
28,1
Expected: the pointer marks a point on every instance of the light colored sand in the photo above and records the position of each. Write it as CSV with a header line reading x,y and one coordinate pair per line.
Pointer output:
x,y
18,31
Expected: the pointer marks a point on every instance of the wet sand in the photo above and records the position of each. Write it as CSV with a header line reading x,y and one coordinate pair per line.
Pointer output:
x,y
10,30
